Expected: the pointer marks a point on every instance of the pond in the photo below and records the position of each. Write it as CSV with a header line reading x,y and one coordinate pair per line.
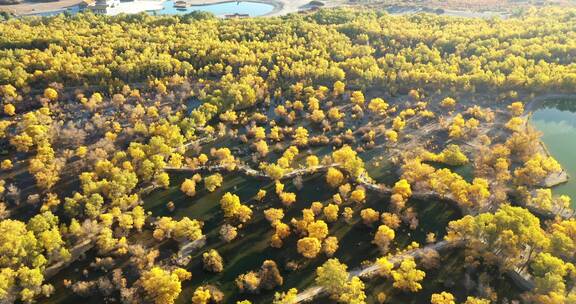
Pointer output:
x,y
252,9
219,9
556,119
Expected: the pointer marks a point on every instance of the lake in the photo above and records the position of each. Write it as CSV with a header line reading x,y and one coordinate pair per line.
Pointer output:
x,y
556,119
253,9
219,9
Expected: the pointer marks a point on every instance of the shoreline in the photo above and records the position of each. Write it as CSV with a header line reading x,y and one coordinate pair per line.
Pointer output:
x,y
562,177
27,9
279,7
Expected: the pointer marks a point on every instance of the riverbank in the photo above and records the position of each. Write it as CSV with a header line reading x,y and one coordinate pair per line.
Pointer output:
x,y
559,178
555,117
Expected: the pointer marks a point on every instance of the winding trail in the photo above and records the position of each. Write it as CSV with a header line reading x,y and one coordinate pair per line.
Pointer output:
x,y
362,180
366,273
76,252
521,278
247,170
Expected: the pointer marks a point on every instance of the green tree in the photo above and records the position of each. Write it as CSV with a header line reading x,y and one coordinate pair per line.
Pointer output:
x,y
161,286
407,276
333,276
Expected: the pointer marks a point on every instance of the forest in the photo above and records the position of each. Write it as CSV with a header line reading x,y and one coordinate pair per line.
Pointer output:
x,y
509,6
340,156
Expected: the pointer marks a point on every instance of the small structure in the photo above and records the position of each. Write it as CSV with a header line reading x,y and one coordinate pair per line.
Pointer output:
x,y
237,15
181,4
87,3
102,6
309,10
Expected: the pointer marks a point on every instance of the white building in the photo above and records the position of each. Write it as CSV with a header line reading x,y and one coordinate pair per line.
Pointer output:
x,y
103,6
115,7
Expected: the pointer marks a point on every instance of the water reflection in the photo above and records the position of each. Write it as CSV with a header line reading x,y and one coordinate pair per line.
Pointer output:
x,y
556,119
241,8
562,104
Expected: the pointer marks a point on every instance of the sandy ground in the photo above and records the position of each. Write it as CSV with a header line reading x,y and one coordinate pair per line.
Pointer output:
x,y
289,6
27,7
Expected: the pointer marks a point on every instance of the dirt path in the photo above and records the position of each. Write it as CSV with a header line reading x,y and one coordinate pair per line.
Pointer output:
x,y
316,291
29,7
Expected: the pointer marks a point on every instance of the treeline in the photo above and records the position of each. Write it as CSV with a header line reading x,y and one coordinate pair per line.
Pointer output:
x,y
533,52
